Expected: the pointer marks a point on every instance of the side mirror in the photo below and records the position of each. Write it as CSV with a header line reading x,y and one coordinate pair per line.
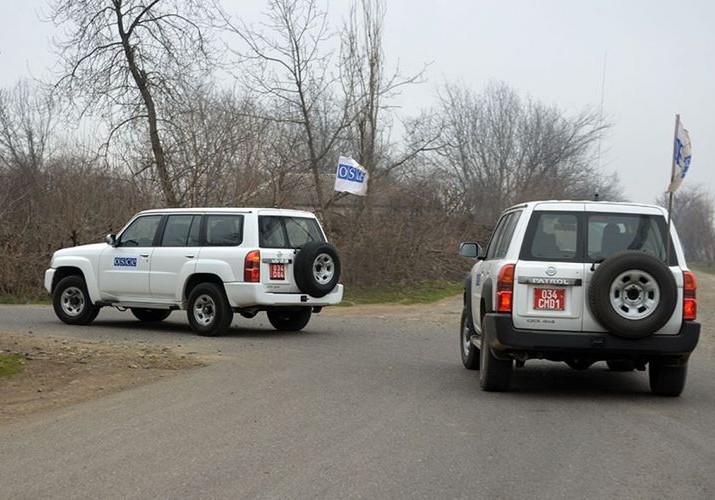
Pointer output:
x,y
471,250
111,239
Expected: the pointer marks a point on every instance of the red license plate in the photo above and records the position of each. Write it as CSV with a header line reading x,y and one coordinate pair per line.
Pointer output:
x,y
549,299
277,271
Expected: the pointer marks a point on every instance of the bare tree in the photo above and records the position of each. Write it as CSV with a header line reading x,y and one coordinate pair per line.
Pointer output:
x,y
692,214
123,57
501,149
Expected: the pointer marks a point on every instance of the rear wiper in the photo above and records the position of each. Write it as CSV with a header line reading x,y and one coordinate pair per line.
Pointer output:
x,y
597,261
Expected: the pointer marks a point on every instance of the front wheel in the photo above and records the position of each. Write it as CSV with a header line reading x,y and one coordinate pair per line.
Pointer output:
x,y
150,315
209,312
470,354
495,373
667,379
289,320
71,301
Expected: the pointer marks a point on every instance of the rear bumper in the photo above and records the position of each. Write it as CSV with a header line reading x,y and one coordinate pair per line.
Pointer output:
x,y
508,339
255,295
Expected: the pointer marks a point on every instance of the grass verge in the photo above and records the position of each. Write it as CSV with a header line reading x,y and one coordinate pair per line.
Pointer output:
x,y
10,364
15,300
420,293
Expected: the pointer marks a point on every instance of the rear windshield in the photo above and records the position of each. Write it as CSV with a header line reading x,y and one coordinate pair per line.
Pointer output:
x,y
277,231
592,237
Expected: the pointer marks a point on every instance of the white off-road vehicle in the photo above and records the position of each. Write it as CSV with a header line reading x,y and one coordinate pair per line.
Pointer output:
x,y
580,282
211,262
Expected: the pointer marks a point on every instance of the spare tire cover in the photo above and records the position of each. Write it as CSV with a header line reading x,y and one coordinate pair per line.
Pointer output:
x,y
632,294
317,268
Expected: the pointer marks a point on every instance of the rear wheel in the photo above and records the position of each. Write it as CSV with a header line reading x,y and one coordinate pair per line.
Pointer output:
x,y
470,353
150,315
209,312
71,301
289,320
667,379
495,373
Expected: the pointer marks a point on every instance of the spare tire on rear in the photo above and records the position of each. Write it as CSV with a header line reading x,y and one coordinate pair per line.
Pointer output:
x,y
317,268
632,294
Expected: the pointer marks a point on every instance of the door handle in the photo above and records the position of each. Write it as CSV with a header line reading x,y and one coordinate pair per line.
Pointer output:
x,y
189,256
145,255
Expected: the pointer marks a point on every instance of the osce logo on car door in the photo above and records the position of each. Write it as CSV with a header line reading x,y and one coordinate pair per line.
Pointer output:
x,y
125,262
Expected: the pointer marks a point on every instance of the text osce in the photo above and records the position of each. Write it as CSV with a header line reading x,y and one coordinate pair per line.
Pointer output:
x,y
350,173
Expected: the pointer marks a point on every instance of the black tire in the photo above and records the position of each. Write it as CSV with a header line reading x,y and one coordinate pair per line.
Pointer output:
x,y
621,365
470,353
289,320
317,269
495,373
666,378
71,301
650,280
208,310
150,315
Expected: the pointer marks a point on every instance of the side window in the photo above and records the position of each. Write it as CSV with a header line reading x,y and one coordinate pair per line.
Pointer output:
x,y
178,229
224,230
496,237
509,226
141,232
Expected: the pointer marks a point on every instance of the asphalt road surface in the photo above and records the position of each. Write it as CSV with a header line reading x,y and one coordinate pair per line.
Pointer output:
x,y
363,403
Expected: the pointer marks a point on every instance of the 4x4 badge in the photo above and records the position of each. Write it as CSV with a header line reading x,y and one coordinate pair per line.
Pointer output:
x,y
550,271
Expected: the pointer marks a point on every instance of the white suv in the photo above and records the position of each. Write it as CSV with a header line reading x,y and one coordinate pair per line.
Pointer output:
x,y
210,261
580,282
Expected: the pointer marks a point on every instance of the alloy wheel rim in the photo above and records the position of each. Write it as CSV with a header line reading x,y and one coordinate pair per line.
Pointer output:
x,y
323,268
634,294
204,310
72,301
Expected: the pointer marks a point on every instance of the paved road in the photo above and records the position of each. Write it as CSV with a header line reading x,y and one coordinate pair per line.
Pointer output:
x,y
372,406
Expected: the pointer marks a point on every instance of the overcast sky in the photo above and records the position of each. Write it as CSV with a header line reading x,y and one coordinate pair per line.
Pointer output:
x,y
660,60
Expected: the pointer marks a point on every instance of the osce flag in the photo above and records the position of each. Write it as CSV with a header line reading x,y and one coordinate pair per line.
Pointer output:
x,y
351,177
681,157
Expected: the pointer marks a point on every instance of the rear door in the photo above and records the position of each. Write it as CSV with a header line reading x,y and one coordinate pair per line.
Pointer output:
x,y
280,239
174,258
549,276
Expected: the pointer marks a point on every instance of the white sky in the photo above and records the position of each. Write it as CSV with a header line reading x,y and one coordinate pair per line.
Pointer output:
x,y
660,60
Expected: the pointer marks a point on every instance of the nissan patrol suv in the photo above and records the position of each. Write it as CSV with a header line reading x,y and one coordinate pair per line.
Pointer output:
x,y
211,262
580,282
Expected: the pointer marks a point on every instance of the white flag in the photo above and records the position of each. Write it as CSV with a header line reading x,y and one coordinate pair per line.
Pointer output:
x,y
681,158
351,177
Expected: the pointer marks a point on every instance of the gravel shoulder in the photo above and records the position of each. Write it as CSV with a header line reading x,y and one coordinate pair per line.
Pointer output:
x,y
59,372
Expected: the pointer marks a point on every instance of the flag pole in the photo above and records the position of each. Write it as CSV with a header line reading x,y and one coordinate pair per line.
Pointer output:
x,y
670,197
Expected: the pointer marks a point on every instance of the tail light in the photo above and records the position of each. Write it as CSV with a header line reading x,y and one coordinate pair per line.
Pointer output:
x,y
252,267
690,304
505,288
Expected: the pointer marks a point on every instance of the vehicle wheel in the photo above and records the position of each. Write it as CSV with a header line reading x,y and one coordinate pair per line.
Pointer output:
x,y
621,365
470,354
208,310
289,320
150,315
317,268
495,373
667,379
71,301
632,294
